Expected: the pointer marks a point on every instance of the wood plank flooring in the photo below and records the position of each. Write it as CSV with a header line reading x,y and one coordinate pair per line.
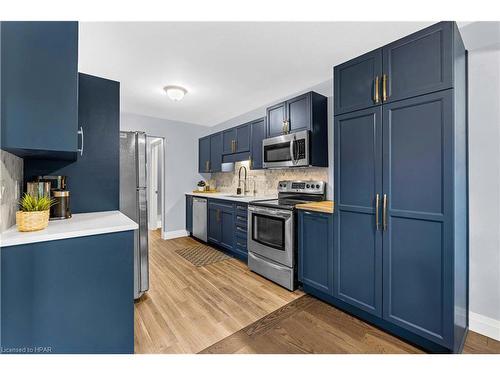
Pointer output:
x,y
189,308
225,308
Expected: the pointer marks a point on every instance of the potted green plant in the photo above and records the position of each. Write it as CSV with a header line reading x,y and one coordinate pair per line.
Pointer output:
x,y
33,213
201,185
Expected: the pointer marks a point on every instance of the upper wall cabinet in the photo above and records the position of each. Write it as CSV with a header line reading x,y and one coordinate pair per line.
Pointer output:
x,y
418,64
93,179
299,113
236,139
39,88
258,135
215,152
357,82
204,154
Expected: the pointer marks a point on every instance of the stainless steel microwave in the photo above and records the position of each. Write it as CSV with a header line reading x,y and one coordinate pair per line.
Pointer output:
x,y
284,151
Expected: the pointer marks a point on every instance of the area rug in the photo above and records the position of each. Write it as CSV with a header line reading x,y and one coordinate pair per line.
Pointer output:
x,y
202,255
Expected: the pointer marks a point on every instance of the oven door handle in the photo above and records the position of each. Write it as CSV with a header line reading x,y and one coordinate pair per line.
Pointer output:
x,y
269,212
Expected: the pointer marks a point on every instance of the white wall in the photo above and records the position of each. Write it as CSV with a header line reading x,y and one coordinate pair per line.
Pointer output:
x,y
181,163
483,42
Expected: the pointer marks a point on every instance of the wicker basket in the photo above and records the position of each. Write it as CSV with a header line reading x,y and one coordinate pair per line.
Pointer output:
x,y
32,221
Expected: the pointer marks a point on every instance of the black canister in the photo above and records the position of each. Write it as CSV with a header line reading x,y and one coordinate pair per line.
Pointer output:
x,y
60,209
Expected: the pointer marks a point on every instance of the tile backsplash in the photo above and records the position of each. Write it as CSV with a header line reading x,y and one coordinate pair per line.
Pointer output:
x,y
264,182
11,177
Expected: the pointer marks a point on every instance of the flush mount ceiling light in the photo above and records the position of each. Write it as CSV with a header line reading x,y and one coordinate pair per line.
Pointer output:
x,y
175,93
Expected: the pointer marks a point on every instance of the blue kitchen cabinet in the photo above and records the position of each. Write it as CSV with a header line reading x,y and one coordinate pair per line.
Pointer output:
x,y
400,226
304,112
315,248
69,296
237,139
215,152
229,137
258,131
39,89
93,179
204,155
276,117
418,255
357,83
240,248
419,63
221,223
214,230
227,226
358,180
189,213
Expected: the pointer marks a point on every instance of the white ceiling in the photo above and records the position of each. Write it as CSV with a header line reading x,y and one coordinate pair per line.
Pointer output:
x,y
228,68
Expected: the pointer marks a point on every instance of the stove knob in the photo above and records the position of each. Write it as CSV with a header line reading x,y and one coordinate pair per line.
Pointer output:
x,y
307,186
317,186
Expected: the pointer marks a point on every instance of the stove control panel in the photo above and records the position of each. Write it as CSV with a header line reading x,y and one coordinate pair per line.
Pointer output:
x,y
306,187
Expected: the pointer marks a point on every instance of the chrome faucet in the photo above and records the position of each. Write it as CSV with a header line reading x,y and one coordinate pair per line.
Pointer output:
x,y
238,190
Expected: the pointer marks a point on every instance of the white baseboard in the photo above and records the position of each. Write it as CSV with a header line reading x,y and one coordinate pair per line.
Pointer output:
x,y
174,234
484,325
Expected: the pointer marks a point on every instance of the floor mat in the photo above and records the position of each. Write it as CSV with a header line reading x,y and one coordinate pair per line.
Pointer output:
x,y
202,255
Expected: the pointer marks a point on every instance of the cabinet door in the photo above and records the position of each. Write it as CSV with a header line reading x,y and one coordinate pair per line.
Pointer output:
x,y
298,113
228,139
39,87
243,138
258,135
354,83
215,152
316,250
358,178
418,242
94,178
204,155
189,213
420,63
276,116
214,226
227,226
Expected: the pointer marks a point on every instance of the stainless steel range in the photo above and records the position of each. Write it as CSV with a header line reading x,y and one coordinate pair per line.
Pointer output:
x,y
272,232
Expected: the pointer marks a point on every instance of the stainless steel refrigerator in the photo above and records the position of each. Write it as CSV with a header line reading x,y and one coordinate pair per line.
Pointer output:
x,y
133,201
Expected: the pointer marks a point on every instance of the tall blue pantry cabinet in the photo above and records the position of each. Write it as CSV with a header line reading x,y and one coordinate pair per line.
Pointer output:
x,y
400,225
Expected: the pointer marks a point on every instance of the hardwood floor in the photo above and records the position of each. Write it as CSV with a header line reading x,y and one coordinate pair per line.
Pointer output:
x,y
189,308
225,308
308,325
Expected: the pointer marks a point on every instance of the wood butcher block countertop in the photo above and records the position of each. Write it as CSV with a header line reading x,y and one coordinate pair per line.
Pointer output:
x,y
323,206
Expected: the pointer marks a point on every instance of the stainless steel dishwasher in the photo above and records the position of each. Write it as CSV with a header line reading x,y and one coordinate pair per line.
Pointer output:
x,y
200,218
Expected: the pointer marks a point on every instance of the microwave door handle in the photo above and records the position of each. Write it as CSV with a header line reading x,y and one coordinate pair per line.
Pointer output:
x,y
292,142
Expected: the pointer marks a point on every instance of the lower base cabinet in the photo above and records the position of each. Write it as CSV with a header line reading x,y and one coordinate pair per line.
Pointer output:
x,y
227,225
69,296
320,265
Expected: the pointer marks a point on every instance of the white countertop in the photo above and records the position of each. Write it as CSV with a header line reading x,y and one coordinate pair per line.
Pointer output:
x,y
79,225
229,197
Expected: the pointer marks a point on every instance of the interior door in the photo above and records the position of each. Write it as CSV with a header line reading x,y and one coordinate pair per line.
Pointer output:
x,y
355,83
358,178
417,244
153,185
420,63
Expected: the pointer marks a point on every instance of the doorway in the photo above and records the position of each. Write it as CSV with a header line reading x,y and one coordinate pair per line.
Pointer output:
x,y
156,183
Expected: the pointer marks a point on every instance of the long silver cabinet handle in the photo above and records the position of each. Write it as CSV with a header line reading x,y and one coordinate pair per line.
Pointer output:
x,y
377,211
384,213
80,132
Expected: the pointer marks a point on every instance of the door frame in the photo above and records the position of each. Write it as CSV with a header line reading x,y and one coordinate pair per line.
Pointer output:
x,y
163,157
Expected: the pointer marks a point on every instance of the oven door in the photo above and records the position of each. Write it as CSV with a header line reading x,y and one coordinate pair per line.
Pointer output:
x,y
290,150
270,234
